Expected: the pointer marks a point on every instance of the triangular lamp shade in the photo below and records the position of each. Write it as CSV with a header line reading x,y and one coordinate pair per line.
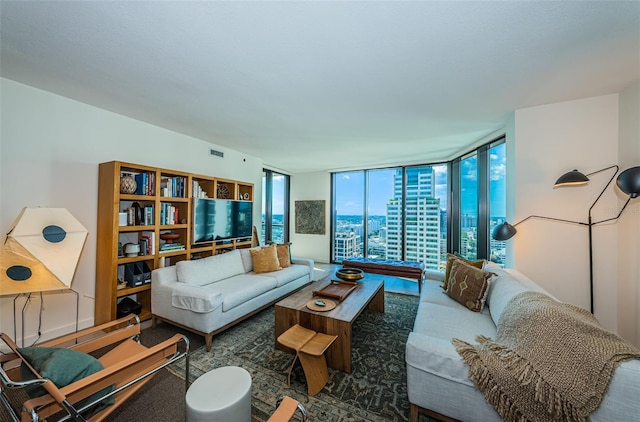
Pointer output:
x,y
41,251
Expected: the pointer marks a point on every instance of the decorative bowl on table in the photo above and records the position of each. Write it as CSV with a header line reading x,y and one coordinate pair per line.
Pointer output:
x,y
169,237
350,274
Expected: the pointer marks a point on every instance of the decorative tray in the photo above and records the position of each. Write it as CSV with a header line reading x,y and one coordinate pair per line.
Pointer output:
x,y
321,305
337,289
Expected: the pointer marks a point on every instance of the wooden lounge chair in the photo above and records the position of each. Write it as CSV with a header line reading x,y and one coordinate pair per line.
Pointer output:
x,y
128,365
286,407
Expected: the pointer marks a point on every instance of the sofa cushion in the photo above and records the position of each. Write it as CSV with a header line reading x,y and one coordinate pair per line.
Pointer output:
x,y
284,255
247,261
433,330
450,259
201,272
265,259
242,288
199,299
504,287
287,275
468,285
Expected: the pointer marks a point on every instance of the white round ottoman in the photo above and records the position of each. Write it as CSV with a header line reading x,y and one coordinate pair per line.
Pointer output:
x,y
223,395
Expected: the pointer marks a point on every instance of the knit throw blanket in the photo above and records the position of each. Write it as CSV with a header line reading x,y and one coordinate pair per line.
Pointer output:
x,y
549,361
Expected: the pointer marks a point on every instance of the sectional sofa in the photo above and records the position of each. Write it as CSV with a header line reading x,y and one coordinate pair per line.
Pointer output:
x,y
438,381
208,295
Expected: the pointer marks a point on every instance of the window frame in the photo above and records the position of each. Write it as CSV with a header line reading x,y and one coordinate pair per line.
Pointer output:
x,y
483,241
268,176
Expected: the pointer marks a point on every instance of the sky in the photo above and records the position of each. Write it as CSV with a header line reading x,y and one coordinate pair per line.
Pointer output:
x,y
350,187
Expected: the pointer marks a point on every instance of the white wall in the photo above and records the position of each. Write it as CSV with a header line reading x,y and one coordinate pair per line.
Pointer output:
x,y
629,224
309,187
549,141
50,151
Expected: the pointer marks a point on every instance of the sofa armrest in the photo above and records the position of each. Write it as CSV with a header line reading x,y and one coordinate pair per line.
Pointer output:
x,y
305,261
434,275
195,298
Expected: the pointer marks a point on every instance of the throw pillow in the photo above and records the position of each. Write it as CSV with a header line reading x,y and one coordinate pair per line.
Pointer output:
x,y
63,367
265,259
468,285
284,255
450,258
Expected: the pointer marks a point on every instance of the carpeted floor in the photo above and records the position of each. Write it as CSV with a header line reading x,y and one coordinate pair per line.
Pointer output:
x,y
374,391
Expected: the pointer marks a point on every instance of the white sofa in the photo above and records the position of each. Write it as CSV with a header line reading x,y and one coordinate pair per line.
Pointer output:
x,y
437,377
208,295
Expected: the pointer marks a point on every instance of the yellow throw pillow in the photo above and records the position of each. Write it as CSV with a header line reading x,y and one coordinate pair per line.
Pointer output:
x,y
468,285
265,259
450,258
284,256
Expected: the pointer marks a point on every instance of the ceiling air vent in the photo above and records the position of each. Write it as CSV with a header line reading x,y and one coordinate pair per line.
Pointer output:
x,y
216,153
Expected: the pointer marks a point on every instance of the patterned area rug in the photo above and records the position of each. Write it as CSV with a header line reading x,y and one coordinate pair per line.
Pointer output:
x,y
376,390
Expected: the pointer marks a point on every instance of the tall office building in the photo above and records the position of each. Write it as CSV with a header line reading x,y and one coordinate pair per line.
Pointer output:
x,y
346,245
421,215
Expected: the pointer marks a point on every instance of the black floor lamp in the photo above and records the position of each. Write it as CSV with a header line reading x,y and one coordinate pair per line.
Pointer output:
x,y
628,181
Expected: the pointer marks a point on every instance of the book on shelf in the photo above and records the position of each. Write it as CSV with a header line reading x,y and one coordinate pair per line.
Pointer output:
x,y
197,191
168,214
172,186
145,183
151,238
172,247
148,215
144,245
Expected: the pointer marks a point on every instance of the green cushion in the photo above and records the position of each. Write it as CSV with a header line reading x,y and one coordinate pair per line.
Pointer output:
x,y
63,367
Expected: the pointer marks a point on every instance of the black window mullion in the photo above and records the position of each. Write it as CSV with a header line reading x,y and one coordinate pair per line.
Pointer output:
x,y
482,250
268,194
454,209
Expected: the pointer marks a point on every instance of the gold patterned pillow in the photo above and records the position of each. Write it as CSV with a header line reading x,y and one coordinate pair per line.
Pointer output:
x,y
450,258
284,256
468,285
265,259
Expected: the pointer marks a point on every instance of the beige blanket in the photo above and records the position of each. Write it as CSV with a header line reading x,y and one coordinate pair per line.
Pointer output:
x,y
549,361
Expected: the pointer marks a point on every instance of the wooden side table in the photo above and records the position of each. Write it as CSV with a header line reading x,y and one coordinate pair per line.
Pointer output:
x,y
310,347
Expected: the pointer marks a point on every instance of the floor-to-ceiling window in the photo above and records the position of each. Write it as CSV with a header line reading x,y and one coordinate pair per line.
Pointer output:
x,y
469,207
382,207
348,215
478,203
403,209
419,213
497,198
275,207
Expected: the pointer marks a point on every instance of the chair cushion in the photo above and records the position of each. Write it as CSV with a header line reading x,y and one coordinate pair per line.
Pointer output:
x,y
63,367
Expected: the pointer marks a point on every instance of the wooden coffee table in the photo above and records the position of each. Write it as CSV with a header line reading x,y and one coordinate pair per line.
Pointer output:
x,y
293,310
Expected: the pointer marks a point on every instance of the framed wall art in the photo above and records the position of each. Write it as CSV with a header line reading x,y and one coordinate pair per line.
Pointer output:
x,y
310,217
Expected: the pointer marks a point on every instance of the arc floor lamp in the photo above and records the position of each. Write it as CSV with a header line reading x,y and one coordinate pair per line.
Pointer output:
x,y
628,182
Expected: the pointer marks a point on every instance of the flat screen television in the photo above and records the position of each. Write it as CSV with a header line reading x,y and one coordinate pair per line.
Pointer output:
x,y
221,219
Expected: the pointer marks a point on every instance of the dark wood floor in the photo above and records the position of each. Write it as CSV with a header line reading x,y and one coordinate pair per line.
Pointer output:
x,y
391,284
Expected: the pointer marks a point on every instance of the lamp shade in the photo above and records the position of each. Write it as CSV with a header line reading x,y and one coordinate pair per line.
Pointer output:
x,y
629,181
574,177
504,231
41,251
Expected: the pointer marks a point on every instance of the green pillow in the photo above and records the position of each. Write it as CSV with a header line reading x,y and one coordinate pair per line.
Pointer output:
x,y
63,367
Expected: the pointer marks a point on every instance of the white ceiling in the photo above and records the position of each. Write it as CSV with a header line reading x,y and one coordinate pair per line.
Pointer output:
x,y
316,85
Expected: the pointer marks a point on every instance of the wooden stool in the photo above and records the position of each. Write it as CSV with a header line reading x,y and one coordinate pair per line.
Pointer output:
x,y
310,347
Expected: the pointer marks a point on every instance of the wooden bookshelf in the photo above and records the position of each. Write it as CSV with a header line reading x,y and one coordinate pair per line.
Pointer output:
x,y
162,203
